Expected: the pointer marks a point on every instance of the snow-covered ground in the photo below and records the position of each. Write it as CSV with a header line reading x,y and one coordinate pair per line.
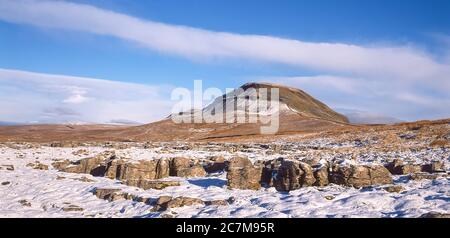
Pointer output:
x,y
28,192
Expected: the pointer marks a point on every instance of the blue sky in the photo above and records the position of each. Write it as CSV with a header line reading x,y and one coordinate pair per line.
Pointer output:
x,y
384,57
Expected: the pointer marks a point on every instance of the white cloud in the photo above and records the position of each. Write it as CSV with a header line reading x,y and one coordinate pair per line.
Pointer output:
x,y
379,97
402,62
77,96
398,80
48,98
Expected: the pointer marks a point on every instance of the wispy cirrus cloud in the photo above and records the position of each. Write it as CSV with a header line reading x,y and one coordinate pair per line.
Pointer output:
x,y
404,62
399,80
49,98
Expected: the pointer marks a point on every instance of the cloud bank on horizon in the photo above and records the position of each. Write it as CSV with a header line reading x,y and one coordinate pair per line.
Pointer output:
x,y
399,80
29,97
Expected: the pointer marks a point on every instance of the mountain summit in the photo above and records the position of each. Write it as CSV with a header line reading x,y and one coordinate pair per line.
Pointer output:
x,y
297,101
297,112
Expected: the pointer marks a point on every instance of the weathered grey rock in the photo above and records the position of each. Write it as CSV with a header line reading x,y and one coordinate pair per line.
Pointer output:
x,y
360,175
185,167
241,174
293,175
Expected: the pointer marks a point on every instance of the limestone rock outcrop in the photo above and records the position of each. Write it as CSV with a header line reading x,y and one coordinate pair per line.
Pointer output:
x,y
186,167
293,175
360,176
242,174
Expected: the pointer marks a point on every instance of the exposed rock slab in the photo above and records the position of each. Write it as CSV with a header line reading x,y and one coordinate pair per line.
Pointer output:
x,y
151,184
359,176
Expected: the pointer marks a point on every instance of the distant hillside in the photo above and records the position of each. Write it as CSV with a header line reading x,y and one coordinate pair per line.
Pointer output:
x,y
298,113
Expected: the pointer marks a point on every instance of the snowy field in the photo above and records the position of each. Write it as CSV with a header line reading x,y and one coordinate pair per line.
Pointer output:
x,y
28,192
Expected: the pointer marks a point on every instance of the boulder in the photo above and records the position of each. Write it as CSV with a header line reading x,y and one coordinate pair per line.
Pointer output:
x,y
162,168
84,179
95,166
114,168
140,170
293,175
134,171
185,167
242,174
321,176
269,171
424,175
360,175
